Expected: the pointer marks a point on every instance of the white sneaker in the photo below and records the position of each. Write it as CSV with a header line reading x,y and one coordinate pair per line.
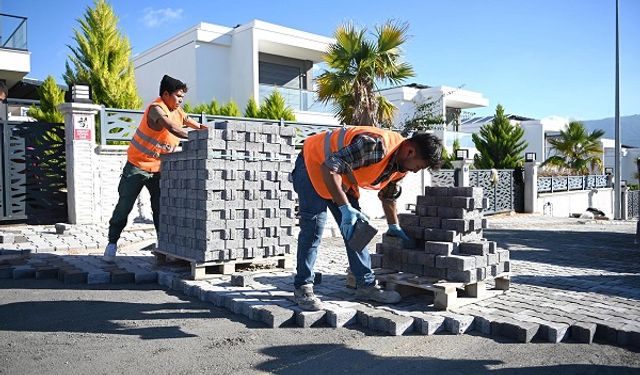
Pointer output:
x,y
110,253
306,299
376,293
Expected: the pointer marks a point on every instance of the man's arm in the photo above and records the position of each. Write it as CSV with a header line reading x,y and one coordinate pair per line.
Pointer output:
x,y
390,212
388,197
334,183
193,124
173,127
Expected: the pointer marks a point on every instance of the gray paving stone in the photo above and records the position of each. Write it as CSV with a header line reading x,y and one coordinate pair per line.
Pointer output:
x,y
98,277
427,324
340,316
583,332
276,316
306,319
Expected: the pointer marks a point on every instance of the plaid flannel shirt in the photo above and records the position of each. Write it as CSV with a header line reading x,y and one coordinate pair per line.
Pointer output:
x,y
364,150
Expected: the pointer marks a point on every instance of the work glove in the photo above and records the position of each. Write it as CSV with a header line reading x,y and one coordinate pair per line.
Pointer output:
x,y
395,231
349,217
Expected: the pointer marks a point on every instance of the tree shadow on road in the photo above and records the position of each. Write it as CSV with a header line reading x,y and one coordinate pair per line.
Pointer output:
x,y
146,320
337,358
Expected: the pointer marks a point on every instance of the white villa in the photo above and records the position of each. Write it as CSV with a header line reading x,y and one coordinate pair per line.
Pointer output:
x,y
253,59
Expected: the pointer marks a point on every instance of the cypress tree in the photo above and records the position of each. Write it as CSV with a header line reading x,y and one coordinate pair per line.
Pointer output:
x,y
101,59
500,143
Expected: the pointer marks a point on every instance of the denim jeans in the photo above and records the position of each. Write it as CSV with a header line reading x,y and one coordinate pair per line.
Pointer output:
x,y
132,181
313,215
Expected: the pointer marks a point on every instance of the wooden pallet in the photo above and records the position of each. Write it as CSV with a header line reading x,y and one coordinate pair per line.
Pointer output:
x,y
446,295
204,270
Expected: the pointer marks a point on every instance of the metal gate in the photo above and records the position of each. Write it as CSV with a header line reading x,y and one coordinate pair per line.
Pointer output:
x,y
504,188
33,173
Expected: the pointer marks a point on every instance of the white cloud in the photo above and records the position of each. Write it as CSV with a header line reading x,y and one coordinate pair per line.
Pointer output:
x,y
156,17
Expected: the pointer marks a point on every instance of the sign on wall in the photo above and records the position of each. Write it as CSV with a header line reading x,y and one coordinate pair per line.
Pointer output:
x,y
82,126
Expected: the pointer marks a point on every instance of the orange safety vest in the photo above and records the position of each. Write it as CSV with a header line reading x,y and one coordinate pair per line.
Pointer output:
x,y
148,144
319,146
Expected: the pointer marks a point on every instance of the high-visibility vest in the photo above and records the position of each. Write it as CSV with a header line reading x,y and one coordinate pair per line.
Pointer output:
x,y
148,144
319,146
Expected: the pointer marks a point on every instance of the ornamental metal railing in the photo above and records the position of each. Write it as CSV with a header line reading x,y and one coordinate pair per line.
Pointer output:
x,y
633,204
119,125
503,188
569,183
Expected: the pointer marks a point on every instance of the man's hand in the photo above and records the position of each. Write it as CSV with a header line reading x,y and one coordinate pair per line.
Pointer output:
x,y
396,231
202,126
349,217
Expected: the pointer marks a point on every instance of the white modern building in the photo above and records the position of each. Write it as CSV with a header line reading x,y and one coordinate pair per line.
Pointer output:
x,y
449,102
237,63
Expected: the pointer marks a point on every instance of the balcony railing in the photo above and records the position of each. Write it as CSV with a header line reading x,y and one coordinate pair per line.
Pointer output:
x,y
13,32
299,100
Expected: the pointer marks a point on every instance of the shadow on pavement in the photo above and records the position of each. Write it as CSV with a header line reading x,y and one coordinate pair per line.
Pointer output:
x,y
609,251
106,317
337,358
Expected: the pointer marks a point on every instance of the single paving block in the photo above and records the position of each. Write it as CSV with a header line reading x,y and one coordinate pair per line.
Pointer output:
x,y
144,277
24,272
120,276
306,319
98,277
427,324
275,316
72,276
583,332
458,323
46,272
516,330
340,316
629,335
241,279
398,325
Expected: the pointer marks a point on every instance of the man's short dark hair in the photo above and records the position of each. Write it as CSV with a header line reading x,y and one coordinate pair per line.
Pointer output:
x,y
429,149
170,84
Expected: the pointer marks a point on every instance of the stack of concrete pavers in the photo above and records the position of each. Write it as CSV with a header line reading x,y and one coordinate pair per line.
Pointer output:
x,y
227,195
447,228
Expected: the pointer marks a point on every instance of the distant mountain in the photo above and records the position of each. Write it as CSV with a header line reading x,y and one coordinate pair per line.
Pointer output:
x,y
629,129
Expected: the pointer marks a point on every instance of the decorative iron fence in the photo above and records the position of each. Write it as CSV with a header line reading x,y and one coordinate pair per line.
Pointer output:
x,y
118,125
568,183
633,204
503,188
34,177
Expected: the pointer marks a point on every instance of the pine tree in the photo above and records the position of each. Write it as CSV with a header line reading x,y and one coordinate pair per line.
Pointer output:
x,y
101,59
275,107
50,97
230,109
252,110
500,143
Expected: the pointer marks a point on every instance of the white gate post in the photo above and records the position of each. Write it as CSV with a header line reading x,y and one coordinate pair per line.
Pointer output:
x,y
530,186
79,130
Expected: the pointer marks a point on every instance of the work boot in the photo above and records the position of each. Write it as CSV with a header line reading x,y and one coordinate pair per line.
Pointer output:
x,y
376,293
110,253
305,298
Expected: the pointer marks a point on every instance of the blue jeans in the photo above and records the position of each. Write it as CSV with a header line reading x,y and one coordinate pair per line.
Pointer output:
x,y
313,215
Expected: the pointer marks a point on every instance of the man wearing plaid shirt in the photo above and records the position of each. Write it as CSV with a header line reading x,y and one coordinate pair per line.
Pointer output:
x,y
328,174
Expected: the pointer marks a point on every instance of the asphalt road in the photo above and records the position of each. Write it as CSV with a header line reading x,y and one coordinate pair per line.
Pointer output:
x,y
49,328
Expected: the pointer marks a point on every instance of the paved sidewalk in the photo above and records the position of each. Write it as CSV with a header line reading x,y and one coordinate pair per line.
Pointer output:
x,y
572,280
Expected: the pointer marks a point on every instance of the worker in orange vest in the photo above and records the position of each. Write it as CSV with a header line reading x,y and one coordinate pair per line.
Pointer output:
x,y
158,133
328,174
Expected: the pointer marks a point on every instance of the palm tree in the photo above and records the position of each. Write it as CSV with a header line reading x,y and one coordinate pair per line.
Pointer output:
x,y
356,66
577,149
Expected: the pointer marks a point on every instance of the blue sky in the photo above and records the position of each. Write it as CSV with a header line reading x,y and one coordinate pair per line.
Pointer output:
x,y
536,58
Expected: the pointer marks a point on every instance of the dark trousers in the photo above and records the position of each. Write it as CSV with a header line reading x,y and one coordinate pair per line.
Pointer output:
x,y
132,181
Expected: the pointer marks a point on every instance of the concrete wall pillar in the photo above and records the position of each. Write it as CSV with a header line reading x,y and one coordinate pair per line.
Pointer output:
x,y
530,186
80,136
462,175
